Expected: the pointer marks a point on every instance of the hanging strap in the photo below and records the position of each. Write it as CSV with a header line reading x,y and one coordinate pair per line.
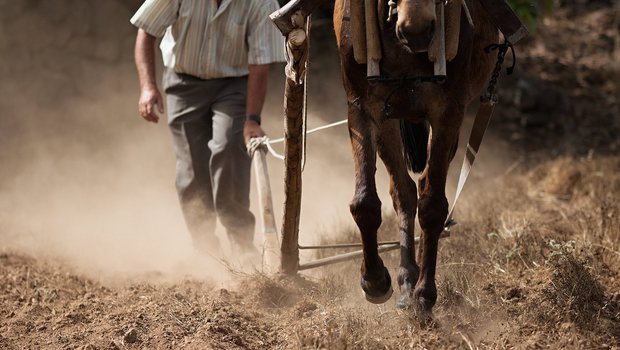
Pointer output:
x,y
481,123
483,116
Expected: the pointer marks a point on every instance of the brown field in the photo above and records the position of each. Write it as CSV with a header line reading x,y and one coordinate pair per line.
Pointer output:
x,y
94,255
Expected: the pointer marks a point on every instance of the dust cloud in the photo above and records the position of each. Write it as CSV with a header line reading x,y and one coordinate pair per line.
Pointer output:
x,y
82,178
85,180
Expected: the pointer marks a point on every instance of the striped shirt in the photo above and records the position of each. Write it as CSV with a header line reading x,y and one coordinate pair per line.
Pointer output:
x,y
207,41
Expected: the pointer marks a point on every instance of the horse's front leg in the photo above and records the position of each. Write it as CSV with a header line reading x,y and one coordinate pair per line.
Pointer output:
x,y
432,202
404,198
366,206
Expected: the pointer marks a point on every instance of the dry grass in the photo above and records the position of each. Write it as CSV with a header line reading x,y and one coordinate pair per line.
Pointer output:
x,y
533,262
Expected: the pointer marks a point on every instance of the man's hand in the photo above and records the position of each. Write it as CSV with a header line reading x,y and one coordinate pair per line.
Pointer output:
x,y
145,64
149,99
251,129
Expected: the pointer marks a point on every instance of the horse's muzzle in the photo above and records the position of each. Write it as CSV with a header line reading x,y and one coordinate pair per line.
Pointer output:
x,y
416,38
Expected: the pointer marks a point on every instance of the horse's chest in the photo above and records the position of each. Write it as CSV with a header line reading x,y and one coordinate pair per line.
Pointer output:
x,y
412,101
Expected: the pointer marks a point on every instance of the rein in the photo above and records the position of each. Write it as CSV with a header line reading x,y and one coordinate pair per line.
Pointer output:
x,y
501,54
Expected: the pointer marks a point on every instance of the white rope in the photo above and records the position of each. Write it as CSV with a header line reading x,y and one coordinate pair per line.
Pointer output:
x,y
262,142
257,142
311,131
273,151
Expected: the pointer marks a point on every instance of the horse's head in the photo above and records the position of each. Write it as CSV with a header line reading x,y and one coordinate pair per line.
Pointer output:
x,y
415,26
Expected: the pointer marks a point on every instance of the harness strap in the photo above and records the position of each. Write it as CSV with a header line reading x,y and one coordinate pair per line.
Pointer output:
x,y
481,122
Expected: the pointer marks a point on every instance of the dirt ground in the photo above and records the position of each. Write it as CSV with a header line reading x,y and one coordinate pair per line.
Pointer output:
x,y
93,253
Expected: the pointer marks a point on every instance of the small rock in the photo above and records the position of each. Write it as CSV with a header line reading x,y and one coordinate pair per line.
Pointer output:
x,y
89,347
131,336
114,346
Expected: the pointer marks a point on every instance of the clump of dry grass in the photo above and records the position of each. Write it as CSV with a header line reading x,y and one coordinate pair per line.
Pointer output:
x,y
278,291
573,291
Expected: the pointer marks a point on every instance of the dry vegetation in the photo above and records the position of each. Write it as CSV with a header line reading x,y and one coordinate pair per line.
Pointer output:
x,y
534,262
535,265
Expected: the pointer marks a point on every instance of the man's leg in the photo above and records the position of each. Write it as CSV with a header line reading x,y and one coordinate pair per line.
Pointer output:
x,y
230,164
193,181
191,131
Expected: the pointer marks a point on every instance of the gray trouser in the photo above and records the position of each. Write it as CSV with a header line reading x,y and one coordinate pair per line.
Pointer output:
x,y
206,118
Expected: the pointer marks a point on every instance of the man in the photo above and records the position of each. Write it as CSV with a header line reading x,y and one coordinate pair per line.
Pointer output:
x,y
216,55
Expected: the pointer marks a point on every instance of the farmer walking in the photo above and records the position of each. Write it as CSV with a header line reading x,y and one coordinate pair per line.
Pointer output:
x,y
216,55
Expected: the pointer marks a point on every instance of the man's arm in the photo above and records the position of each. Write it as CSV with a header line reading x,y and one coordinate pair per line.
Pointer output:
x,y
257,89
145,64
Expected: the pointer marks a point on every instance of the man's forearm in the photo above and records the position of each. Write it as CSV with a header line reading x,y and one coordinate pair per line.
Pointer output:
x,y
145,59
257,88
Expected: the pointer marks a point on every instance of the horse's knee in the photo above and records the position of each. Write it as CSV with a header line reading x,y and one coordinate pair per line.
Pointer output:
x,y
366,210
433,211
405,198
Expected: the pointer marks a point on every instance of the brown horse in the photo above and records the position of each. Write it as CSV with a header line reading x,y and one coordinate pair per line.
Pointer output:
x,y
391,121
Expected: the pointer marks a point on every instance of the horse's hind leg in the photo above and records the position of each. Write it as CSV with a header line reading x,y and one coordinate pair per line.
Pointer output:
x,y
366,206
404,198
432,202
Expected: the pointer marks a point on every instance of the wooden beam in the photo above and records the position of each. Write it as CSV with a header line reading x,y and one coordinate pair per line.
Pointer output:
x,y
343,257
384,247
358,31
296,56
440,41
373,40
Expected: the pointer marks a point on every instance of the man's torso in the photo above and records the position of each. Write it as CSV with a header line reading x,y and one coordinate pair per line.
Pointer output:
x,y
208,40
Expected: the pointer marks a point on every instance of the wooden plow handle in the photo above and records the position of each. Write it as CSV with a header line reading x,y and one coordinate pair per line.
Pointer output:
x,y
271,242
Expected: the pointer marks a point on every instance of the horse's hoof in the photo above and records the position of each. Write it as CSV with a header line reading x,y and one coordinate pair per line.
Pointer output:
x,y
404,301
376,295
403,304
425,297
380,299
425,306
407,277
424,311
